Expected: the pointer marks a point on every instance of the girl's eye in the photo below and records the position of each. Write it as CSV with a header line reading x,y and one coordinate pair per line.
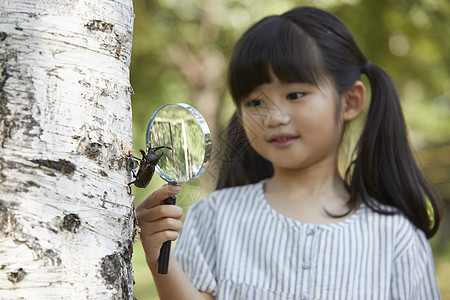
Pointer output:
x,y
254,103
295,95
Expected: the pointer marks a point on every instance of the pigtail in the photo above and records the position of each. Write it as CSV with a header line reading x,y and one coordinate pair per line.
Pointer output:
x,y
239,163
384,168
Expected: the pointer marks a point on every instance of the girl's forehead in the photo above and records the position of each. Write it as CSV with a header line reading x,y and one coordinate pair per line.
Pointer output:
x,y
323,82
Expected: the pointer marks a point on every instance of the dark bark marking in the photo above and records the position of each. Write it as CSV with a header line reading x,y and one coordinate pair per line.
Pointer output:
x,y
7,120
2,177
3,216
71,222
93,150
23,187
118,163
9,226
89,195
127,250
62,165
118,49
53,257
116,269
5,124
129,89
110,266
103,199
99,25
49,227
30,124
18,276
30,183
103,173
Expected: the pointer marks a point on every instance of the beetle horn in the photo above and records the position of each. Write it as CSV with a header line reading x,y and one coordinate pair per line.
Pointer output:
x,y
157,148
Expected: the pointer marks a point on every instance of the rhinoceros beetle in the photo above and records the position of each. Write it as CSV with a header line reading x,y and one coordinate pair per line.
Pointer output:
x,y
146,167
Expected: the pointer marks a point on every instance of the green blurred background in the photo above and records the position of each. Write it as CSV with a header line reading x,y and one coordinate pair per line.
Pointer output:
x,y
180,51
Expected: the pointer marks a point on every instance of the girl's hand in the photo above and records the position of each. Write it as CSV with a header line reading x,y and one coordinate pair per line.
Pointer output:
x,y
158,223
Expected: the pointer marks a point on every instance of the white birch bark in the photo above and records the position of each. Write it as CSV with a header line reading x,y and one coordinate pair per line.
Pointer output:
x,y
66,219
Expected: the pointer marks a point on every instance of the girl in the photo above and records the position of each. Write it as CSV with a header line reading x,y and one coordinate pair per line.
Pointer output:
x,y
283,223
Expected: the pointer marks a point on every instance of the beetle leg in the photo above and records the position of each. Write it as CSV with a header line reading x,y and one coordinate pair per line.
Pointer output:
x,y
129,186
138,159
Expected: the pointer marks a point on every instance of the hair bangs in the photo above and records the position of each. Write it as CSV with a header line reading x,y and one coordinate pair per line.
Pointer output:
x,y
273,44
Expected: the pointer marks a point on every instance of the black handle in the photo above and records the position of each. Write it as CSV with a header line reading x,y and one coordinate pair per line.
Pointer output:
x,y
164,253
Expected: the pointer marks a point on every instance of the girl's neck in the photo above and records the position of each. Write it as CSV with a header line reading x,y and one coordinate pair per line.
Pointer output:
x,y
307,195
316,177
307,184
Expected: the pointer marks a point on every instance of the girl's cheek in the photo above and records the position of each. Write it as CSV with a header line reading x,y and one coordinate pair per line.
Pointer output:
x,y
252,130
256,119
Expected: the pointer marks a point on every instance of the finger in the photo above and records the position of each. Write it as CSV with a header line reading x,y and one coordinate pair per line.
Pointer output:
x,y
153,245
159,212
165,224
159,195
160,237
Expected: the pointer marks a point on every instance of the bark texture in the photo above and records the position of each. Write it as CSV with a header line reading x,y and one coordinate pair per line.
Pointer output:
x,y
66,219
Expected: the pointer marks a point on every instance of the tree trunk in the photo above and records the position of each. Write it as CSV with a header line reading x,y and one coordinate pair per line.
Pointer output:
x,y
66,218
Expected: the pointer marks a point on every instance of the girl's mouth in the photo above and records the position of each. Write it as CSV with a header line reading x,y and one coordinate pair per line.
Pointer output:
x,y
282,141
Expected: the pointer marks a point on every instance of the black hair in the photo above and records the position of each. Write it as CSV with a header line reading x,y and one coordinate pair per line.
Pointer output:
x,y
310,45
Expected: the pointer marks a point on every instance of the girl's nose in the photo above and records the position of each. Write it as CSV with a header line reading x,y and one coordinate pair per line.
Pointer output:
x,y
276,117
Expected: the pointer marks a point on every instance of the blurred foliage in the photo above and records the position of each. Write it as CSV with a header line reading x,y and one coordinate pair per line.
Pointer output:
x,y
180,51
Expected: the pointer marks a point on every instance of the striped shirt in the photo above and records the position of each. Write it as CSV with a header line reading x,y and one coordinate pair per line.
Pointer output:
x,y
234,245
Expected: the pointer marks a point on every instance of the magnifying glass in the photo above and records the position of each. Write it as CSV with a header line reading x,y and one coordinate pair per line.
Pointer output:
x,y
184,141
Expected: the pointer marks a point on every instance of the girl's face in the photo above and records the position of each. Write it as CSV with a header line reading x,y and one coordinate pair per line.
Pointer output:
x,y
293,125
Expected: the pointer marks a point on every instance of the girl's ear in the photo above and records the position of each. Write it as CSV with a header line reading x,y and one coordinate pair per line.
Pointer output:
x,y
354,101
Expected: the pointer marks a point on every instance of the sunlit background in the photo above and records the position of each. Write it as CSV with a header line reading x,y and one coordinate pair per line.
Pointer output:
x,y
180,51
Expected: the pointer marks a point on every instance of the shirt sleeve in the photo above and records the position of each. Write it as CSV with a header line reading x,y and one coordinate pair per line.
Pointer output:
x,y
195,249
414,276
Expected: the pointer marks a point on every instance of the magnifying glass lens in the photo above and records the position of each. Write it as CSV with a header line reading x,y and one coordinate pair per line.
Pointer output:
x,y
183,129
